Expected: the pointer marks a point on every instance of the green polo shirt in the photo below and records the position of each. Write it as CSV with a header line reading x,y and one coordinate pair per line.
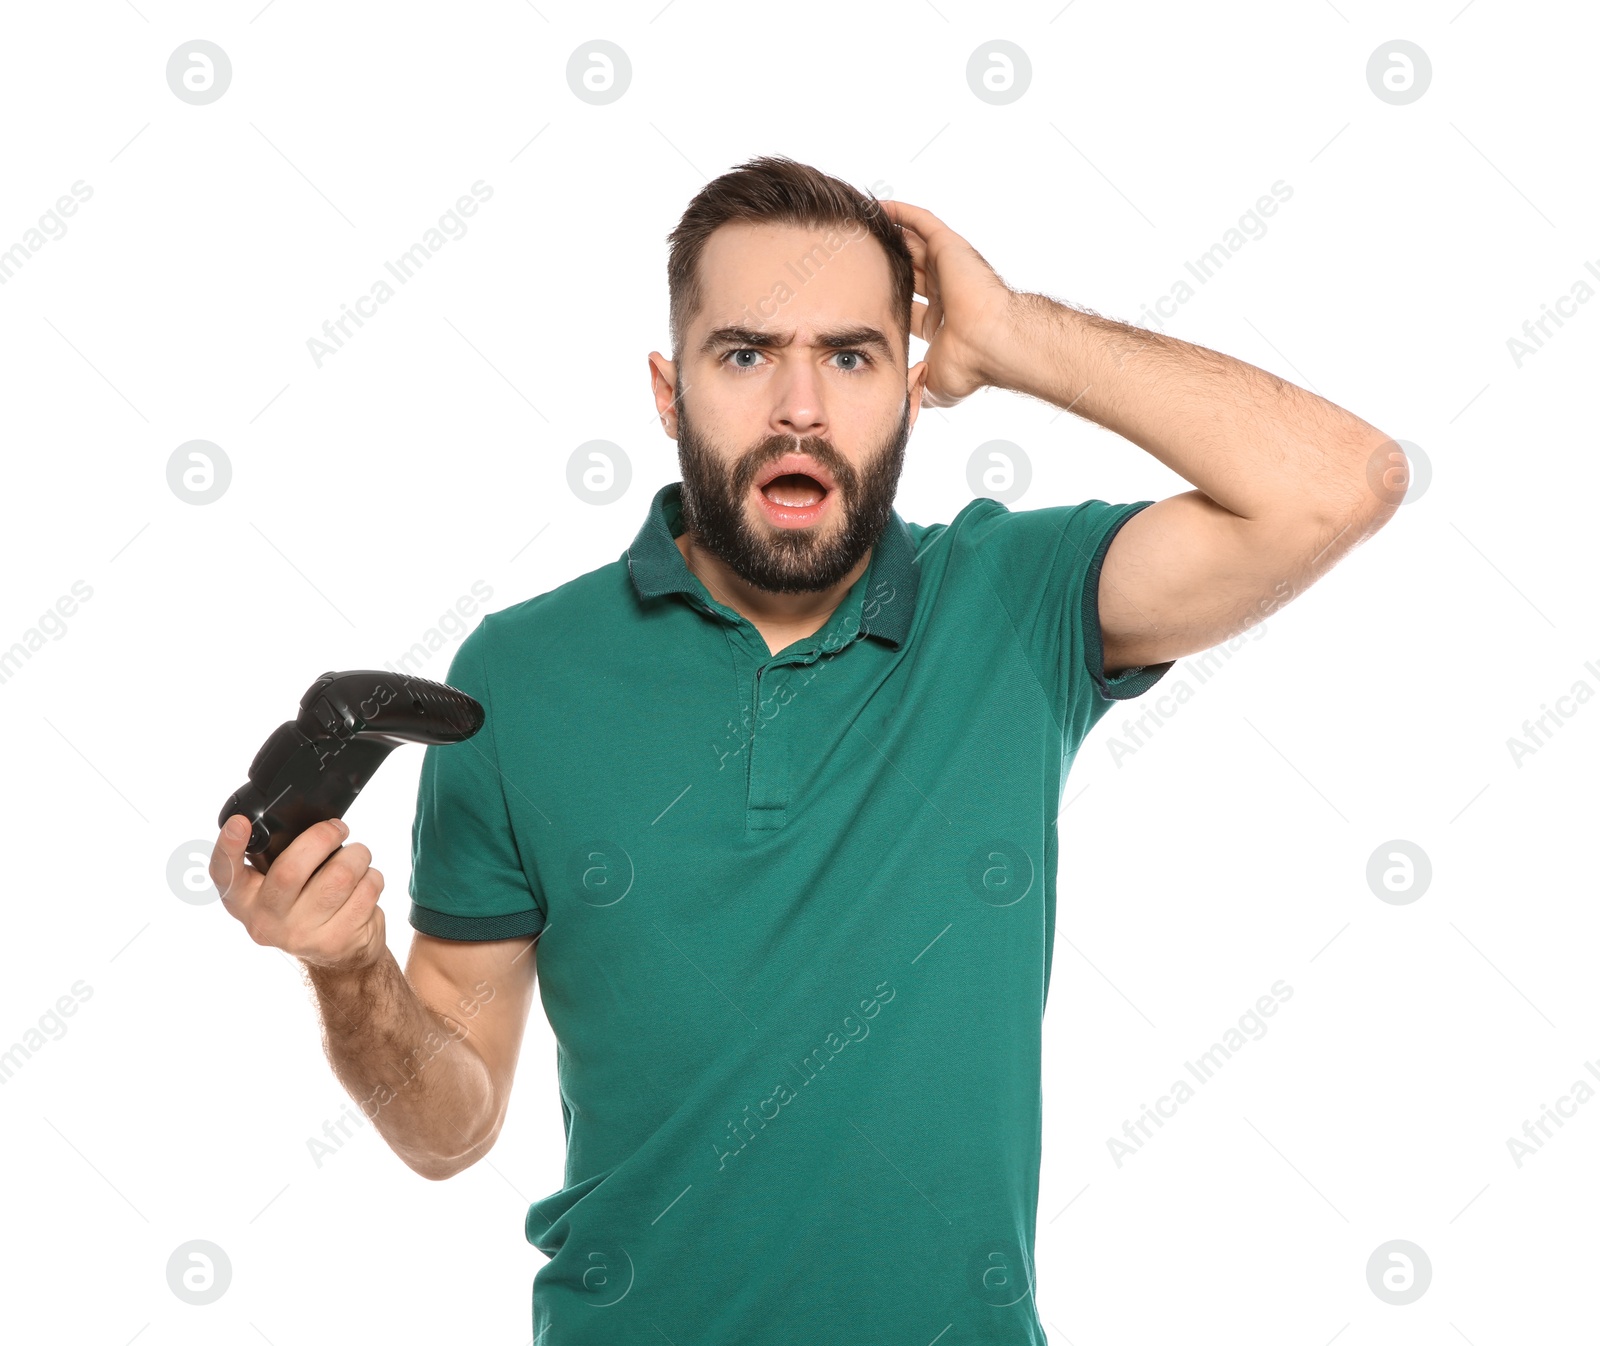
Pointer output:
x,y
795,916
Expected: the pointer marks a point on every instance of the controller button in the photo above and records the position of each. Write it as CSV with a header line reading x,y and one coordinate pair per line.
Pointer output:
x,y
312,691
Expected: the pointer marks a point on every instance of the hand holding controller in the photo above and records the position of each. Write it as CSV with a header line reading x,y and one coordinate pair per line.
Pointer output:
x,y
319,903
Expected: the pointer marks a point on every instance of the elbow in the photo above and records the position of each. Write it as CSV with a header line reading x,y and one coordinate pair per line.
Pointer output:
x,y
1386,478
456,1126
437,1165
433,1170
1367,495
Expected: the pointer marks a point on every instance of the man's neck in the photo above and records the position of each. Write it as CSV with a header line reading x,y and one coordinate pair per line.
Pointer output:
x,y
781,619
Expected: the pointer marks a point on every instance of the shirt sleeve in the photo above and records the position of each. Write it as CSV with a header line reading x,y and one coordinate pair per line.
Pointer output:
x,y
467,877
1044,567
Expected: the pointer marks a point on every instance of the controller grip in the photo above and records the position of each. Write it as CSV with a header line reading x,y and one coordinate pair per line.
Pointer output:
x,y
368,701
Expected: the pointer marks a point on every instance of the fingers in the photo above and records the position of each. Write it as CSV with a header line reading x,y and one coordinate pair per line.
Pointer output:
x,y
300,859
926,319
918,227
919,278
917,245
227,869
919,255
919,264
908,216
919,319
331,887
318,902
352,932
356,912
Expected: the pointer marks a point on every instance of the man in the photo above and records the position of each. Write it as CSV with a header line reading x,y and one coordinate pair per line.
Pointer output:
x,y
772,799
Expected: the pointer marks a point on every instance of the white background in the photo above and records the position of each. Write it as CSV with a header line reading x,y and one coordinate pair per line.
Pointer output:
x,y
431,453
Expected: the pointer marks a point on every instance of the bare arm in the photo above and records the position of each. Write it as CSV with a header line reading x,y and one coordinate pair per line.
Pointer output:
x,y
428,1054
1286,482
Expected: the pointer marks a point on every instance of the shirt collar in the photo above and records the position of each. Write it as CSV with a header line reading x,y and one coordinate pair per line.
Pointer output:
x,y
657,567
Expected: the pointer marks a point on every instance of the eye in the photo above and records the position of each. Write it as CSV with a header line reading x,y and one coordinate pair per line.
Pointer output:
x,y
862,360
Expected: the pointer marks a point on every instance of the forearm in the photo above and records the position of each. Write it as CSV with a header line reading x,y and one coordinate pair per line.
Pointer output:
x,y
427,1092
1258,446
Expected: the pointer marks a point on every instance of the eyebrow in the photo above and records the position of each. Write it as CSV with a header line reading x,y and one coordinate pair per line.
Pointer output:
x,y
838,338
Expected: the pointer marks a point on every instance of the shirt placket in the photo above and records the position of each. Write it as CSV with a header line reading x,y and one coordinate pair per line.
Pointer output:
x,y
770,692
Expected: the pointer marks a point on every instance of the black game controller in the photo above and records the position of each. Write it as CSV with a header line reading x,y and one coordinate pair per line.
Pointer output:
x,y
314,766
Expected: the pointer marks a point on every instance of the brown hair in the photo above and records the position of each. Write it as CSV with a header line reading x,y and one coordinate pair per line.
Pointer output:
x,y
774,189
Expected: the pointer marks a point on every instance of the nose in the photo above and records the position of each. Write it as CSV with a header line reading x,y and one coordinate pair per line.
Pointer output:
x,y
798,408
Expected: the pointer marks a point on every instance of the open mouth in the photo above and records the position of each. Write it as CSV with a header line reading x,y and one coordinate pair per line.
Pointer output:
x,y
794,500
795,491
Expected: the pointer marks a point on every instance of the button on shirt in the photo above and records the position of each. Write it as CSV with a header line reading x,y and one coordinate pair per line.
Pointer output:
x,y
795,914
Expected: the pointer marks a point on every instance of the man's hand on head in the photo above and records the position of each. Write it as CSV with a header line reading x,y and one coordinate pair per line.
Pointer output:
x,y
968,307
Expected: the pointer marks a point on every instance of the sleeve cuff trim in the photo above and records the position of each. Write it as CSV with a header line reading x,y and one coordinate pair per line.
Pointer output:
x,y
445,925
1131,682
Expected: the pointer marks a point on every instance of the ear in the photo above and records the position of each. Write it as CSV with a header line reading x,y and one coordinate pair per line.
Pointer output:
x,y
663,380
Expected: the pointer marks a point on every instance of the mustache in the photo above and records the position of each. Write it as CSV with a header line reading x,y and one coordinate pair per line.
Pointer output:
x,y
777,446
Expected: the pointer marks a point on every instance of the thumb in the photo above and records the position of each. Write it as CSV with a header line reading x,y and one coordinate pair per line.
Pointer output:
x,y
227,860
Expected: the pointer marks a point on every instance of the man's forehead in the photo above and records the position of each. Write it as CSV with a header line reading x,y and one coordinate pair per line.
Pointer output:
x,y
797,282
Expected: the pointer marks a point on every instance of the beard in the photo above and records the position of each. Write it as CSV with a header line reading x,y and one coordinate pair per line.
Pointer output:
x,y
790,560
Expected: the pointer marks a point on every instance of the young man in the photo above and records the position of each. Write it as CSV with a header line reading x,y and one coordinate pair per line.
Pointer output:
x,y
774,794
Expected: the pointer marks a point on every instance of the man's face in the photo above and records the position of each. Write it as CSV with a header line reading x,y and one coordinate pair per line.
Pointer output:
x,y
802,404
